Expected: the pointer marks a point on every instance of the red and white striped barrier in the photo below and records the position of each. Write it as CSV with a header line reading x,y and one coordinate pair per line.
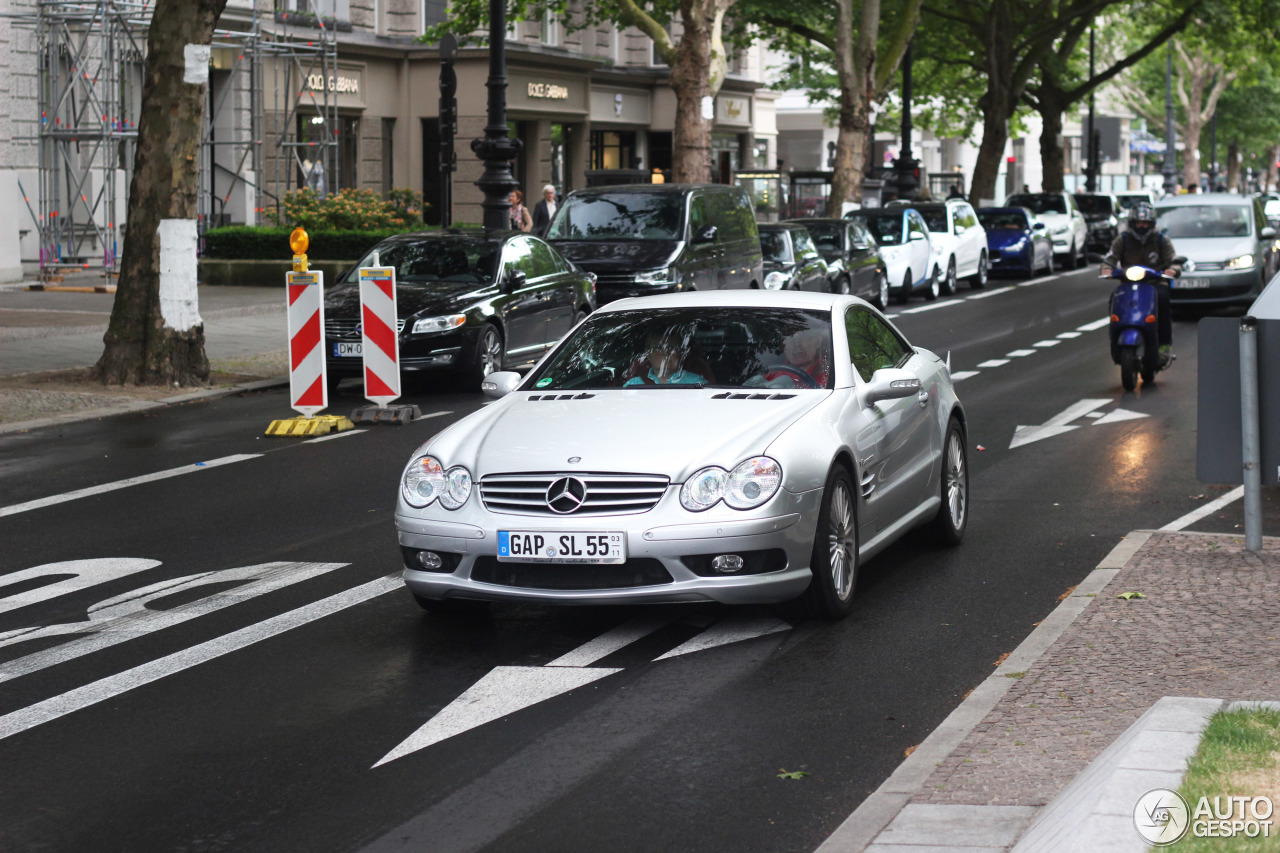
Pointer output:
x,y
308,393
380,342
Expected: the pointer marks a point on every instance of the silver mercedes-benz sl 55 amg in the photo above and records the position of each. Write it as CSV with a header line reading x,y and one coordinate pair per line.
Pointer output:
x,y
731,446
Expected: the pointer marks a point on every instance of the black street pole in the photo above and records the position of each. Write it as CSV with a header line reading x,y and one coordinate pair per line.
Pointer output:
x,y
495,148
1091,164
1170,143
907,168
448,126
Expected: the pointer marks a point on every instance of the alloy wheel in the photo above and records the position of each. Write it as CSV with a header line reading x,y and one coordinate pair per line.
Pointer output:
x,y
841,541
956,488
490,351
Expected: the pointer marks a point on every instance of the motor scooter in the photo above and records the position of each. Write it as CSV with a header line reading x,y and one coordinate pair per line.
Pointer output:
x,y
1134,324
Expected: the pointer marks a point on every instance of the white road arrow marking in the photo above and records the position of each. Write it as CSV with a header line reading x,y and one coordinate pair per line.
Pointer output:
x,y
610,641
1120,415
735,629
1056,425
68,577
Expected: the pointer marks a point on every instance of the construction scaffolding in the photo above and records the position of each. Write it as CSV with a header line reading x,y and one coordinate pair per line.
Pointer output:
x,y
259,140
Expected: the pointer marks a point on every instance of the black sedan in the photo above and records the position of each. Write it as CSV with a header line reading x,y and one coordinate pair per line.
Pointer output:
x,y
854,265
791,261
470,302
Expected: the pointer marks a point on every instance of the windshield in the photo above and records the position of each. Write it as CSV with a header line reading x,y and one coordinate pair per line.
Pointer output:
x,y
1004,219
1128,201
1039,202
935,219
466,260
1094,204
692,348
1217,220
620,216
826,236
886,229
775,246
1271,208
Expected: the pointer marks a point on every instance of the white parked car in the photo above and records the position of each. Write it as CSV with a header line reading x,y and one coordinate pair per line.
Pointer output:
x,y
906,249
959,242
732,446
1067,226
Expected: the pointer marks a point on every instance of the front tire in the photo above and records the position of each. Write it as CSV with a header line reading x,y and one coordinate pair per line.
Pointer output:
x,y
487,358
949,283
931,292
905,295
834,561
953,516
980,278
882,291
1129,367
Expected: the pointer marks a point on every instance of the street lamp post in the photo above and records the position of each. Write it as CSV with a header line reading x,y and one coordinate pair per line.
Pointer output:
x,y
1170,144
906,167
495,148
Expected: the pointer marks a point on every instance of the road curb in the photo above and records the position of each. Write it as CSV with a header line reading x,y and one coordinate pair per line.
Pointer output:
x,y
130,405
875,813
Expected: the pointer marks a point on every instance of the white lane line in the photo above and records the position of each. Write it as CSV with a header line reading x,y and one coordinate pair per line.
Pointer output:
x,y
1208,509
963,374
610,641
992,292
53,500
931,306
1097,324
1049,343
331,436
995,362
1019,353
1066,336
114,685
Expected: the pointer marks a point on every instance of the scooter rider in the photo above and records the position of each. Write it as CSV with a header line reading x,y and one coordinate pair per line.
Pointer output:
x,y
1143,245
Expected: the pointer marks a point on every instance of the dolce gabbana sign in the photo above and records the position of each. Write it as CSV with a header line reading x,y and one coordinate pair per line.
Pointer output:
x,y
549,90
345,85
340,83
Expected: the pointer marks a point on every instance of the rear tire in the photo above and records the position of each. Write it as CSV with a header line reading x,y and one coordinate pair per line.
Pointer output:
x,y
905,295
980,278
843,286
1129,367
834,561
953,516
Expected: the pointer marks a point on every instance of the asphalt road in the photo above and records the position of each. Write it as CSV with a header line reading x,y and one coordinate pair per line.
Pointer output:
x,y
262,681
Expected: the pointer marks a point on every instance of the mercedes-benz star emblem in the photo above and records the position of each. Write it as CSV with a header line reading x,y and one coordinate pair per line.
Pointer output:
x,y
566,494
575,458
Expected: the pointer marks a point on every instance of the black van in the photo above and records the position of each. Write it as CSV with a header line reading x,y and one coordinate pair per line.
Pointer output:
x,y
659,238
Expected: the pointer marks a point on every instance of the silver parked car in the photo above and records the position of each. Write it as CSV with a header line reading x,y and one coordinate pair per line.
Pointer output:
x,y
735,446
1229,245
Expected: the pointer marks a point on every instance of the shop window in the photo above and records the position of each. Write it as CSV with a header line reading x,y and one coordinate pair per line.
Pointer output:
x,y
660,150
434,12
613,149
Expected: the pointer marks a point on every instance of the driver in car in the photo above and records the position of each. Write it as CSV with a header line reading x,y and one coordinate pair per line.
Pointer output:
x,y
665,357
806,359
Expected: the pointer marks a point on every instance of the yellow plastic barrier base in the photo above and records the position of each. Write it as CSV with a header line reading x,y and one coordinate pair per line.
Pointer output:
x,y
319,425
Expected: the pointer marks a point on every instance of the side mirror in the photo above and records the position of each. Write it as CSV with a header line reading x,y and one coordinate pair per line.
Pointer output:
x,y
706,234
501,383
860,247
1268,233
916,235
514,281
891,383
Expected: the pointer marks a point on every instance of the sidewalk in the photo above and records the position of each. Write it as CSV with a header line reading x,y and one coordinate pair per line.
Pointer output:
x,y
1053,750
49,339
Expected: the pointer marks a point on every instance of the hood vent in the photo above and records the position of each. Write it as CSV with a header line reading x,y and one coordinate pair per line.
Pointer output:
x,y
561,396
728,396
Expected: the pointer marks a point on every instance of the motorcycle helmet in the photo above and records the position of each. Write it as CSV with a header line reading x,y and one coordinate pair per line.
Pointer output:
x,y
1142,219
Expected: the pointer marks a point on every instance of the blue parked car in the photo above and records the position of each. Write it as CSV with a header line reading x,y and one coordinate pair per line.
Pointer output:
x,y
1017,241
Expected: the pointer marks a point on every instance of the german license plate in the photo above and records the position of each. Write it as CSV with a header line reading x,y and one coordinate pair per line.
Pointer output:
x,y
541,546
348,350
1188,283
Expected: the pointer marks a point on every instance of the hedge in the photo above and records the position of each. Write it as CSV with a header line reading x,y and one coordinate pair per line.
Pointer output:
x,y
247,243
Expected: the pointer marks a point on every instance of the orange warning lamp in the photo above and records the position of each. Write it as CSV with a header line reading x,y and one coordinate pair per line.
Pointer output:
x,y
298,242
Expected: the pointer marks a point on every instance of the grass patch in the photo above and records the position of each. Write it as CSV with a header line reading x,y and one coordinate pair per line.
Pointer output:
x,y
1239,755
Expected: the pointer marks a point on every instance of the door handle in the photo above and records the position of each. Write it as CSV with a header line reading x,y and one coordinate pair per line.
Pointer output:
x,y
922,398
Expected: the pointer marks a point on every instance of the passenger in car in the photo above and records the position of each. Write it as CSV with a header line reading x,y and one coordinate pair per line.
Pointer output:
x,y
665,358
805,352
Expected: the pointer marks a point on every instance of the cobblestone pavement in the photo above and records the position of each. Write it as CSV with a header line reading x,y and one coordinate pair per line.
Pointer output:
x,y
1208,626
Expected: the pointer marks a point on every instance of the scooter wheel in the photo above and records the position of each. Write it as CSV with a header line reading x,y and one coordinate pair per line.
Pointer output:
x,y
1129,368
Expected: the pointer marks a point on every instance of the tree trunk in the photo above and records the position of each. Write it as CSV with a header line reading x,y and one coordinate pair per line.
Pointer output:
x,y
1270,180
1052,160
691,81
1233,166
856,72
155,336
995,133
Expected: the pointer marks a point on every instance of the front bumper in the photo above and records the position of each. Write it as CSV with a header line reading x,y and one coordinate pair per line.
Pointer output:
x,y
444,351
1226,287
1010,259
660,543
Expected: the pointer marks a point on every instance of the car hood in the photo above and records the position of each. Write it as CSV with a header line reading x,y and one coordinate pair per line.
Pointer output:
x,y
412,298
1216,249
1000,238
670,432
620,255
1054,219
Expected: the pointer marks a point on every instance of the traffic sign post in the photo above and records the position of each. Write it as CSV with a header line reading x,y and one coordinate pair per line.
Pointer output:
x,y
308,391
380,348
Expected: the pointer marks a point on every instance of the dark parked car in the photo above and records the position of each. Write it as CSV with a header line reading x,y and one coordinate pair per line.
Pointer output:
x,y
791,261
470,301
1104,216
1017,242
643,239
853,259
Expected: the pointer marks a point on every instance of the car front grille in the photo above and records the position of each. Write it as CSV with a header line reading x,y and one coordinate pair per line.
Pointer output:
x,y
615,279
344,327
1208,266
638,571
606,494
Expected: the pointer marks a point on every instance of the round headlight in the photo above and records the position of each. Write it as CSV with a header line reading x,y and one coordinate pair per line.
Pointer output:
x,y
423,481
775,280
457,487
704,489
753,482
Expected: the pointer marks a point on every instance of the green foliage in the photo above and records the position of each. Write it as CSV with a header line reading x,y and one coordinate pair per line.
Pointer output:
x,y
247,243
351,210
